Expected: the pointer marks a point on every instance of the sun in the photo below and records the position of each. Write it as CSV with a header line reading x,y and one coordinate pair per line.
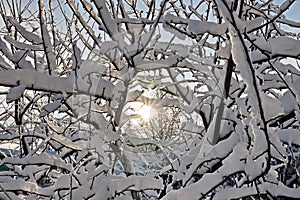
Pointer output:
x,y
147,112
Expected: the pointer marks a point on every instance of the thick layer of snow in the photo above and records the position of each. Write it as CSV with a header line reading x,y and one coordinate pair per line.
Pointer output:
x,y
40,81
15,92
289,136
231,164
73,89
42,158
30,36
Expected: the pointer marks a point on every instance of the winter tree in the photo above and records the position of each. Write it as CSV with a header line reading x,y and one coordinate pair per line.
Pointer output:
x,y
171,99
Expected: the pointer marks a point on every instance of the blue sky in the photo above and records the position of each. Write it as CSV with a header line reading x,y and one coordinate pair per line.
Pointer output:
x,y
294,12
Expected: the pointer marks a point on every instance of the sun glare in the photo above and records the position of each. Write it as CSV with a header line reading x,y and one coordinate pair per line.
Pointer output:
x,y
147,112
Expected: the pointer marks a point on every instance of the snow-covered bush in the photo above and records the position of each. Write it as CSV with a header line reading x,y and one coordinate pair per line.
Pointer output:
x,y
221,76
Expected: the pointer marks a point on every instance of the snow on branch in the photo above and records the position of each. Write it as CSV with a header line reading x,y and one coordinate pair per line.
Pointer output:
x,y
34,80
149,100
28,35
43,158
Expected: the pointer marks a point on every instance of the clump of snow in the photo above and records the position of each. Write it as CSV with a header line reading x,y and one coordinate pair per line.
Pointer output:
x,y
15,93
